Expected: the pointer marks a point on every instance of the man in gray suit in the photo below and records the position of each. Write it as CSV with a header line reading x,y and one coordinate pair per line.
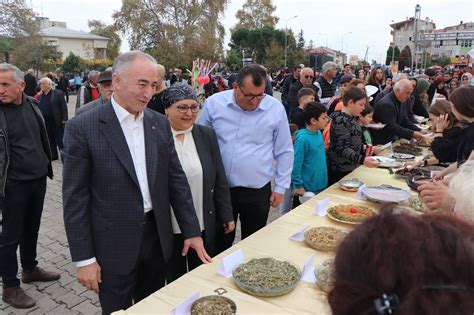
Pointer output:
x,y
121,173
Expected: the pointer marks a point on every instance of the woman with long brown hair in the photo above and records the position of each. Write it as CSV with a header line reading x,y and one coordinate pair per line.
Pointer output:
x,y
448,131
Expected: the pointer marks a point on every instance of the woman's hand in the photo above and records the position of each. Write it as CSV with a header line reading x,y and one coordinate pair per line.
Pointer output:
x,y
441,123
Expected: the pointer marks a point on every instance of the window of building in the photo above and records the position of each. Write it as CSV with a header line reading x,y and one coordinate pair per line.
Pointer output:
x,y
466,43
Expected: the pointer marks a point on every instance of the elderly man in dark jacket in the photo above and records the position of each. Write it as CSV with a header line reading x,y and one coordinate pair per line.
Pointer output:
x,y
25,161
54,109
392,111
306,80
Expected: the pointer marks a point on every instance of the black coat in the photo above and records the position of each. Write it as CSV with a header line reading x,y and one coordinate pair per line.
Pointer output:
x,y
294,89
394,115
217,207
102,200
58,103
31,85
445,148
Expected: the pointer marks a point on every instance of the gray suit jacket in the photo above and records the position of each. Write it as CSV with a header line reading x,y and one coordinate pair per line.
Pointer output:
x,y
103,205
91,105
217,205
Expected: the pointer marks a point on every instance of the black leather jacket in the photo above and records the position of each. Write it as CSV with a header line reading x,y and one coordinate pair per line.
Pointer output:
x,y
5,149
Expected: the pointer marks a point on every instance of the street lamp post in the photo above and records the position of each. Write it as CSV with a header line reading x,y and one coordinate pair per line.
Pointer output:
x,y
342,40
417,16
286,37
324,34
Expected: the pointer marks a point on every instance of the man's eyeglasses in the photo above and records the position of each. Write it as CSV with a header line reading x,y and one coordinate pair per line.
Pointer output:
x,y
251,97
183,109
308,77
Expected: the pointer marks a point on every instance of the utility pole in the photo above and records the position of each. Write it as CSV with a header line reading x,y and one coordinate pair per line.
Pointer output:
x,y
415,38
286,36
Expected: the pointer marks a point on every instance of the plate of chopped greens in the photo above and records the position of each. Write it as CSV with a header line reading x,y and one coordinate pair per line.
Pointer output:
x,y
266,276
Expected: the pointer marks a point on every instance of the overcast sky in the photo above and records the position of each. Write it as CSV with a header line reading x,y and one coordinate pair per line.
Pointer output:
x,y
367,20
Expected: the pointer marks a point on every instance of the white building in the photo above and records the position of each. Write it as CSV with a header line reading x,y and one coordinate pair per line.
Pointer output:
x,y
82,44
452,41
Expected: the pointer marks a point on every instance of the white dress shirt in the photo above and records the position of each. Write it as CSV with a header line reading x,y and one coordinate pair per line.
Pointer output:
x,y
191,164
133,131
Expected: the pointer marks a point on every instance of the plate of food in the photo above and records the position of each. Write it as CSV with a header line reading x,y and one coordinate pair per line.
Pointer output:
x,y
376,126
350,214
403,156
324,238
266,277
385,194
350,184
431,168
213,304
407,172
324,275
387,162
412,181
407,148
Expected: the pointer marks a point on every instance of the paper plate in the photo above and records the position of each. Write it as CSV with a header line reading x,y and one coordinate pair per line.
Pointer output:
x,y
388,162
376,126
371,90
385,194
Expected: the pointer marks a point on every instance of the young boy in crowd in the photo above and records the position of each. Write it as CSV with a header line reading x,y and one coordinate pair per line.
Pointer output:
x,y
305,95
346,148
309,167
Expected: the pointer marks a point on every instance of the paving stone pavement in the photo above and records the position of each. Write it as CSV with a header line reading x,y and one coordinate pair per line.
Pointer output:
x,y
64,296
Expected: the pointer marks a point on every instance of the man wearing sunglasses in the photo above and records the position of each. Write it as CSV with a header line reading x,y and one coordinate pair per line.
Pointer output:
x,y
253,133
306,80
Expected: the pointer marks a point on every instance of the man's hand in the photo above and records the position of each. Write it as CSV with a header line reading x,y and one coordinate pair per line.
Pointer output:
x,y
299,191
229,227
197,244
371,162
276,199
89,276
436,195
418,135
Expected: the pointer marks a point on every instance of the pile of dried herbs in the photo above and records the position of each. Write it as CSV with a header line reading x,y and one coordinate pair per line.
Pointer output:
x,y
407,149
267,273
212,305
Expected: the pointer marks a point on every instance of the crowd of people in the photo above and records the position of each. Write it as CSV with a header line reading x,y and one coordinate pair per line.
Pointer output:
x,y
150,173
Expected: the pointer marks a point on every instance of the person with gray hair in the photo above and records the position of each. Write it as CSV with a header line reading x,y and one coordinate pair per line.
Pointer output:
x,y
325,83
121,174
397,77
156,102
54,109
31,83
89,91
392,111
105,89
25,161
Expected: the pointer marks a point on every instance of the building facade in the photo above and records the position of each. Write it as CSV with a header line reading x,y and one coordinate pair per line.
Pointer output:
x,y
82,44
318,56
452,41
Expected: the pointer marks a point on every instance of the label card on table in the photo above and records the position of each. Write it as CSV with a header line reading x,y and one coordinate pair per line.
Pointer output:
x,y
322,207
386,145
308,270
229,262
299,236
184,308
359,194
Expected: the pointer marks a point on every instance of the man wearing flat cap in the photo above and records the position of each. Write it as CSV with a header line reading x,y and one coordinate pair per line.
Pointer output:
x,y
105,90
